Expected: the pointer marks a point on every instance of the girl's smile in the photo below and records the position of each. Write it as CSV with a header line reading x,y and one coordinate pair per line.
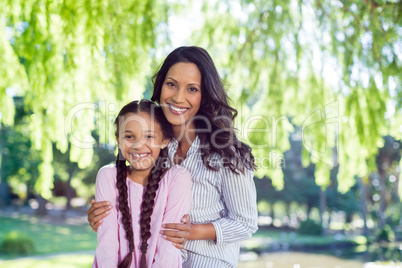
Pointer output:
x,y
140,140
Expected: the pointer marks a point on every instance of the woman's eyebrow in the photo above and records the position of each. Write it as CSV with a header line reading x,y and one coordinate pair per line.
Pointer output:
x,y
169,77
194,84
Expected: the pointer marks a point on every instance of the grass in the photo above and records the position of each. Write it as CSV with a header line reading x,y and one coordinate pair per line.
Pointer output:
x,y
269,240
64,241
60,261
50,238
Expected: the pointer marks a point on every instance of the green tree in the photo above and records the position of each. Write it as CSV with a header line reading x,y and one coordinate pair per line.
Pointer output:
x,y
331,67
64,56
19,160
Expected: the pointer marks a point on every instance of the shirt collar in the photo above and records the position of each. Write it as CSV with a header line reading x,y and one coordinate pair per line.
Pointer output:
x,y
173,144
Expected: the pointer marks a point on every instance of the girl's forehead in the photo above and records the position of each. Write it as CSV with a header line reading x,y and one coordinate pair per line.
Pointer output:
x,y
138,121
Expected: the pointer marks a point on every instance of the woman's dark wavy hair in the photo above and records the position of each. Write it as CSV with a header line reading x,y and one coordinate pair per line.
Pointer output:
x,y
214,112
153,180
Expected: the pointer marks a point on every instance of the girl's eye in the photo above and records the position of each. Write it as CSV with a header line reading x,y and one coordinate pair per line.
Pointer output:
x,y
128,137
170,84
149,137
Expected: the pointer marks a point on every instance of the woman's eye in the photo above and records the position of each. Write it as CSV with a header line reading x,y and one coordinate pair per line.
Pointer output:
x,y
193,89
149,137
170,84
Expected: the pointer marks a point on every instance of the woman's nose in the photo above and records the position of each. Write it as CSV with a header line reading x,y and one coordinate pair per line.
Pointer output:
x,y
179,96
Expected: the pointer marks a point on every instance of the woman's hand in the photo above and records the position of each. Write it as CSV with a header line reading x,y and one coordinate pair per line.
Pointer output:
x,y
178,233
97,212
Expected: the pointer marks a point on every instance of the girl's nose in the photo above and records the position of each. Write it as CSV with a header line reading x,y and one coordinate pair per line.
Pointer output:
x,y
139,143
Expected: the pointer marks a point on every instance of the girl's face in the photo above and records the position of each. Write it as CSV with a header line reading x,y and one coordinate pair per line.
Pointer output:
x,y
140,140
181,93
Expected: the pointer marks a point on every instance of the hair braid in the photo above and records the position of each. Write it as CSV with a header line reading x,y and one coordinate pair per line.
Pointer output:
x,y
148,201
123,207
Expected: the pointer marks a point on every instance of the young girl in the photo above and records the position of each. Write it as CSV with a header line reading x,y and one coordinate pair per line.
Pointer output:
x,y
143,195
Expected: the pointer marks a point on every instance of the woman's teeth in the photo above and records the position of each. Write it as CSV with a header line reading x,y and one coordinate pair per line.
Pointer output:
x,y
177,109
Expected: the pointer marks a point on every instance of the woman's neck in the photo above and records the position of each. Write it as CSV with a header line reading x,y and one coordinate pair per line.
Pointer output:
x,y
185,135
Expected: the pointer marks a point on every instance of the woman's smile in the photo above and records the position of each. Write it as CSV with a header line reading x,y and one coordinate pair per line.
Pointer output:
x,y
181,94
177,109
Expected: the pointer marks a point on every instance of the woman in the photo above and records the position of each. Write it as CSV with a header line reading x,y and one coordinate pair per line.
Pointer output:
x,y
224,212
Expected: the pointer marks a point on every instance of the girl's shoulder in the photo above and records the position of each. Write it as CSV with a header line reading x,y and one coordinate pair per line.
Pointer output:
x,y
177,172
107,172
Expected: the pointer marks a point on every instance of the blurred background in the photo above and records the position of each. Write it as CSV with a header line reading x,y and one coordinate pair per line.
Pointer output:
x,y
317,86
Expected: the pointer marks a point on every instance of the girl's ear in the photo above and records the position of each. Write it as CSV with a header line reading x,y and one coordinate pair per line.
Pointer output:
x,y
118,143
165,142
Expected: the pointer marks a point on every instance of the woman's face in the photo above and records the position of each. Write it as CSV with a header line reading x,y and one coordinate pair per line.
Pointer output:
x,y
181,93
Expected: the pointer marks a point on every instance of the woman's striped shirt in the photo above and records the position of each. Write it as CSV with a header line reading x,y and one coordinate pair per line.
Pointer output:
x,y
223,198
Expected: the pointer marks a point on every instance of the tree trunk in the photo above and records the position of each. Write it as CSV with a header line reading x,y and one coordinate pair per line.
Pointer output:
x,y
4,193
323,205
42,211
363,203
383,192
69,190
272,214
309,207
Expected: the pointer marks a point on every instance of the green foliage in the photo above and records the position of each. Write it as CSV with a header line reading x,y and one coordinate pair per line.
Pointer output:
x,y
16,243
385,234
330,67
66,56
310,227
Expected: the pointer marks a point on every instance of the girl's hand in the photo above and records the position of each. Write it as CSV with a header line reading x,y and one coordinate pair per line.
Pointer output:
x,y
97,212
178,233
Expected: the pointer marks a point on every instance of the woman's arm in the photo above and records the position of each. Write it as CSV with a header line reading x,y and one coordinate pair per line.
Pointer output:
x,y
239,195
97,212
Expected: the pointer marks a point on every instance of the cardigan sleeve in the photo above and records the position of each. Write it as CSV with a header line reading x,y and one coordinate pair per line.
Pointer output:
x,y
178,203
107,251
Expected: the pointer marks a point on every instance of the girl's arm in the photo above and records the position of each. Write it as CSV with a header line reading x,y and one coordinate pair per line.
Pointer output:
x,y
106,254
178,203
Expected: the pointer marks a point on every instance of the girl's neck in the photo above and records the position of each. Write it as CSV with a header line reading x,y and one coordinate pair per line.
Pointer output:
x,y
138,176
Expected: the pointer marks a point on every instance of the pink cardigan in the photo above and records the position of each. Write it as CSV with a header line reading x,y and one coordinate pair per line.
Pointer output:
x,y
172,201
